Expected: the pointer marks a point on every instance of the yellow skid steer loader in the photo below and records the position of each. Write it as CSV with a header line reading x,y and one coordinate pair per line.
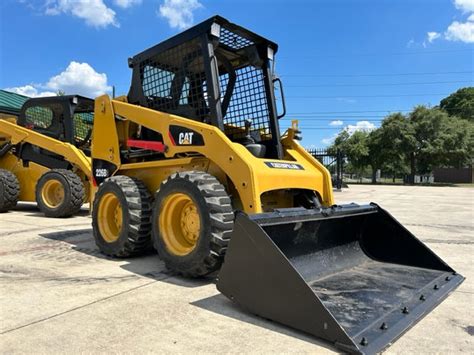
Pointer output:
x,y
44,155
193,163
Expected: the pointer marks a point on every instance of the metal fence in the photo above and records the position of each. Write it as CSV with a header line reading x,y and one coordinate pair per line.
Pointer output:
x,y
333,162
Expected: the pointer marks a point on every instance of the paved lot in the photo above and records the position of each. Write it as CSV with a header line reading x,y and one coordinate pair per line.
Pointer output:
x,y
59,294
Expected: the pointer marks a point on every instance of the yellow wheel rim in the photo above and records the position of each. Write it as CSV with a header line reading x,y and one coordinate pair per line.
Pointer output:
x,y
179,224
52,193
110,217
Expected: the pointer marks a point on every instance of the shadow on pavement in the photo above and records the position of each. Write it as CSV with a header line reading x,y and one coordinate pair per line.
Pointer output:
x,y
147,265
35,212
221,305
151,266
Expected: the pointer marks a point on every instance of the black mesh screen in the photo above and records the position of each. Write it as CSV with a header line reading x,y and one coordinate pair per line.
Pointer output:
x,y
172,81
248,102
233,40
40,116
83,125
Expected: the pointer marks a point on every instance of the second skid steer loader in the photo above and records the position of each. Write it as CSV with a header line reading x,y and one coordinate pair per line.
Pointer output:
x,y
193,163
44,155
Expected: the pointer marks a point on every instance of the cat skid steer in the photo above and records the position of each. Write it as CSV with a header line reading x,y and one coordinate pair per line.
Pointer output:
x,y
193,163
44,155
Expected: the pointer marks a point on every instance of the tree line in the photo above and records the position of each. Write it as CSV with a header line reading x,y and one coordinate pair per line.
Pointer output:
x,y
416,142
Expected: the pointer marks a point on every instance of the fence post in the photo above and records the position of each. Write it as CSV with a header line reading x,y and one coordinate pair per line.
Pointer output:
x,y
338,169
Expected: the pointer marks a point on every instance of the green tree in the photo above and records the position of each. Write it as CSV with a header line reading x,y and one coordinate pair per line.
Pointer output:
x,y
416,143
377,155
460,104
457,137
426,143
391,144
354,147
435,139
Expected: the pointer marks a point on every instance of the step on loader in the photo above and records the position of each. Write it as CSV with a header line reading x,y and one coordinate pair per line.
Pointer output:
x,y
45,155
192,162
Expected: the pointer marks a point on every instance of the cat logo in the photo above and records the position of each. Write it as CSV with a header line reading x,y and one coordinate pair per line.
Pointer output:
x,y
185,138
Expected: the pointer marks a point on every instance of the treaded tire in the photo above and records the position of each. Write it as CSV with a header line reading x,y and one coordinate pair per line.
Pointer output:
x,y
74,192
216,223
135,200
9,190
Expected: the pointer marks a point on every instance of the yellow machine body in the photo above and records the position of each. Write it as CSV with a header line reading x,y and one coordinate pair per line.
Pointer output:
x,y
192,163
255,186
29,174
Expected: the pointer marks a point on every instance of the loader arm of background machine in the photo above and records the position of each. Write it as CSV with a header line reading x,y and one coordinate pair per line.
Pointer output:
x,y
18,134
250,175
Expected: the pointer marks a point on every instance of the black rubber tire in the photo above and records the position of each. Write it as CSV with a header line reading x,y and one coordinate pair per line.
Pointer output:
x,y
135,200
216,220
74,192
9,190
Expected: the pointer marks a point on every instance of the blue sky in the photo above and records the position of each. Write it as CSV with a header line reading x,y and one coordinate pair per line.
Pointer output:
x,y
344,64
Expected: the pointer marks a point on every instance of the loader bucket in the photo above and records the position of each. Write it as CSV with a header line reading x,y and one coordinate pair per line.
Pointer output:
x,y
351,275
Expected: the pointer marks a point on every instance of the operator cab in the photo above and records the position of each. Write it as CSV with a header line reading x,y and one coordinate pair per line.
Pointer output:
x,y
68,118
217,73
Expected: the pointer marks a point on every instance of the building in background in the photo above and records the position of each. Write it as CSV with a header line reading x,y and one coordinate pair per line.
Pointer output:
x,y
453,175
10,103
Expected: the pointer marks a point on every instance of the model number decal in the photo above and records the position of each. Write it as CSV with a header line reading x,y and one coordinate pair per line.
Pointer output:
x,y
102,173
279,165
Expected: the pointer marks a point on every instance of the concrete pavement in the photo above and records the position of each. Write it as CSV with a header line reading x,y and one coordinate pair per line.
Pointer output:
x,y
59,294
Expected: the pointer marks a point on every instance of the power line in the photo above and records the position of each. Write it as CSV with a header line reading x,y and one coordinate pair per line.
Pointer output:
x,y
361,96
336,118
318,128
327,129
335,115
336,112
379,54
302,127
379,84
358,75
319,113
377,75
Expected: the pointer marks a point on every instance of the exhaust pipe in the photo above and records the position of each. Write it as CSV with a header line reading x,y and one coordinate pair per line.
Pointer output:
x,y
351,275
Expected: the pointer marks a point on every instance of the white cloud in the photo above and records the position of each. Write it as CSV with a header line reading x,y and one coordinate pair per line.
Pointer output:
x,y
329,140
336,123
458,30
414,44
346,100
365,126
464,5
432,36
94,12
179,13
125,4
461,31
30,91
78,78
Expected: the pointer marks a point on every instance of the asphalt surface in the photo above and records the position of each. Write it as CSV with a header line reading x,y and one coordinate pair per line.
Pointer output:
x,y
58,294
